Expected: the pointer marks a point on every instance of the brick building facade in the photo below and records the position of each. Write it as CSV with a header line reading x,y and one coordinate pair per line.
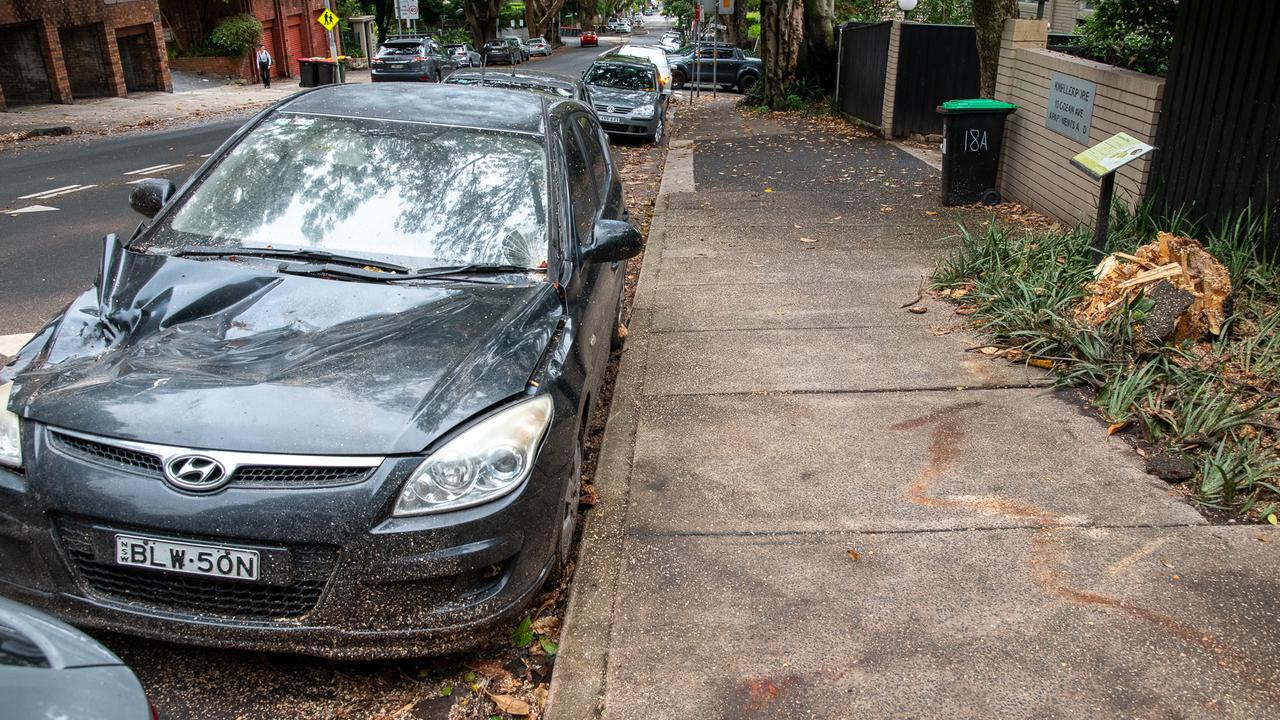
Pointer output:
x,y
289,30
63,50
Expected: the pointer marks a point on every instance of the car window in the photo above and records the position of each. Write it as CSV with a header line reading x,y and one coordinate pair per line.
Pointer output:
x,y
417,194
388,50
624,77
582,194
589,135
724,53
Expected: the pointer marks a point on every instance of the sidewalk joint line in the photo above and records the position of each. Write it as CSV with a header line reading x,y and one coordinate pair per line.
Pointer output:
x,y
859,391
641,534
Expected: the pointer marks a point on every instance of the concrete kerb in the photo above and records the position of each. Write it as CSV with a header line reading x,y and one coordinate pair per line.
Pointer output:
x,y
578,681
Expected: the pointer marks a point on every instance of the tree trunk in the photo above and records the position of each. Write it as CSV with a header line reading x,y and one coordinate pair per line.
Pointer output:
x,y
736,31
781,34
587,12
539,14
988,21
480,19
818,57
381,17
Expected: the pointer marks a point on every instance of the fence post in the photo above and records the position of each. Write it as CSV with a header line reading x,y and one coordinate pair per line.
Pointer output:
x,y
890,79
839,66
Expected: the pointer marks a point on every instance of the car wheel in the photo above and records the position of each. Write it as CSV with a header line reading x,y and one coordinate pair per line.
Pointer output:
x,y
568,524
677,79
656,137
746,83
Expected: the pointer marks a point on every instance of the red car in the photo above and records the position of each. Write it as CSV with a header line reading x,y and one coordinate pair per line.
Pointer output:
x,y
588,37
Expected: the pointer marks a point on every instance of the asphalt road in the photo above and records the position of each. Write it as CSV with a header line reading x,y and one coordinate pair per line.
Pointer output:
x,y
48,256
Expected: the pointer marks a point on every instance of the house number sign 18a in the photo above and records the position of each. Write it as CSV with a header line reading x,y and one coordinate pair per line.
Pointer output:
x,y
1070,110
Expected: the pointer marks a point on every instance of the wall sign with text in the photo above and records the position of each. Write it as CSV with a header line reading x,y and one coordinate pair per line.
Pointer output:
x,y
1070,110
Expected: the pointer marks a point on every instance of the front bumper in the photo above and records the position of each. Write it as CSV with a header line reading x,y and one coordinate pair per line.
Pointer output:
x,y
339,579
632,127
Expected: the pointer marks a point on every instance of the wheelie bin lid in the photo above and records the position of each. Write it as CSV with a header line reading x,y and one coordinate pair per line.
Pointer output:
x,y
976,105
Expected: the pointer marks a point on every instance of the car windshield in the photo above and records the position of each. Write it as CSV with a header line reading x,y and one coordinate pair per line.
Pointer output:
x,y
625,77
386,50
420,195
495,44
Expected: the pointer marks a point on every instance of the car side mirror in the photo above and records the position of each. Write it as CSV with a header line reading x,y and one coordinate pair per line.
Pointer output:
x,y
149,196
613,240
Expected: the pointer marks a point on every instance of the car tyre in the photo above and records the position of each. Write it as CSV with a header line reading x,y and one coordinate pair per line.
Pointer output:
x,y
656,137
568,525
677,79
747,82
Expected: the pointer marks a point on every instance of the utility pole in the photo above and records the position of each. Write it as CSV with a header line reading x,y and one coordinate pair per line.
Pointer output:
x,y
333,46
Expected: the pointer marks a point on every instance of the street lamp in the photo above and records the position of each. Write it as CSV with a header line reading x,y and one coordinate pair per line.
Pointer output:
x,y
906,6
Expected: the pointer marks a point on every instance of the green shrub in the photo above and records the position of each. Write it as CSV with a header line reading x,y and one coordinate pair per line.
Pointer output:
x,y
1133,34
237,34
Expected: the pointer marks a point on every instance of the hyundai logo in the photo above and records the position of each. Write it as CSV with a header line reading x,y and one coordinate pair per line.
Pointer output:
x,y
195,473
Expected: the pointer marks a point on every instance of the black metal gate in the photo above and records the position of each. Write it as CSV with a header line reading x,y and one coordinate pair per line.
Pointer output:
x,y
935,63
1219,134
864,51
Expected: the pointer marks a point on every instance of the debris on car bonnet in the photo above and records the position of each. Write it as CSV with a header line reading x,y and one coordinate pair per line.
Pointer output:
x,y
1189,286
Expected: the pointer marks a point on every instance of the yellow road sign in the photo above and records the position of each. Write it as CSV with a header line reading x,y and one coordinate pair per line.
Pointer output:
x,y
327,19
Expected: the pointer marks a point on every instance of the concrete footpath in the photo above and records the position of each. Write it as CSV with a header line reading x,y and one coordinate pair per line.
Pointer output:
x,y
814,504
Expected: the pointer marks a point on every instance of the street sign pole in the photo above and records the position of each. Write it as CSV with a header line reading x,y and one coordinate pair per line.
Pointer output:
x,y
333,46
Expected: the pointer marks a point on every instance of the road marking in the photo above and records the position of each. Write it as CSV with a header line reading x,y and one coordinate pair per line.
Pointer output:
x,y
44,192
68,191
154,169
30,209
11,344
141,180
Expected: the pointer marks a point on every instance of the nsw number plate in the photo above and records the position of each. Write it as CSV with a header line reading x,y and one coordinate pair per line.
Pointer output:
x,y
396,66
192,558
611,118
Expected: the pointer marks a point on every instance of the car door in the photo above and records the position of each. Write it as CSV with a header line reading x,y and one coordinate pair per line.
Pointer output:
x,y
608,184
588,291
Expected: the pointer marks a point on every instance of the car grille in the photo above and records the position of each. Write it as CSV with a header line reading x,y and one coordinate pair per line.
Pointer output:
x,y
193,595
617,109
263,476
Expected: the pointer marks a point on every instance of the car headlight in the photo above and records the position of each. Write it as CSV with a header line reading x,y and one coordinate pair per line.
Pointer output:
x,y
487,461
10,431
644,111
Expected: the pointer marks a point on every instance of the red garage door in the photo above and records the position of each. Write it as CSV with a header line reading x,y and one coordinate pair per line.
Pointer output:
x,y
297,48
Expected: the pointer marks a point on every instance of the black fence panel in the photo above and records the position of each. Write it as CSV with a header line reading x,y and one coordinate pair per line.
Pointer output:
x,y
1219,135
935,63
864,51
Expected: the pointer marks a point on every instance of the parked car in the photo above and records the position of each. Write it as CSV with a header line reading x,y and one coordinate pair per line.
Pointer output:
x,y
612,24
731,67
650,53
588,38
324,401
539,46
464,54
518,45
48,669
500,51
558,86
410,59
623,28
671,42
627,96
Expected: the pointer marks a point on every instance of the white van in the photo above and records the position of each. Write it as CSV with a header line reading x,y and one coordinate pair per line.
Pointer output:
x,y
653,55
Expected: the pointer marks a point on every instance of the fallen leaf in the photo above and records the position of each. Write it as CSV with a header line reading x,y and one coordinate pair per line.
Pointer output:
x,y
1041,363
958,292
886,209
546,625
807,240
930,213
966,310
1014,355
622,330
588,497
768,189
549,647
511,704
853,554
1176,577
917,309
1167,564
939,332
489,668
1114,428
1272,518
989,350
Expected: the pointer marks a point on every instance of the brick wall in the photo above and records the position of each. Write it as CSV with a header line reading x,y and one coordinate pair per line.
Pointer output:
x,y
1035,166
91,64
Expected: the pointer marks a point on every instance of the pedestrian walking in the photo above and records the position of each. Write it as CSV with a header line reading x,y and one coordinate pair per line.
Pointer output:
x,y
264,65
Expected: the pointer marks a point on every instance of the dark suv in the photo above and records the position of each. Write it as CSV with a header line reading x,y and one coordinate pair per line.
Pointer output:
x,y
726,65
415,59
500,51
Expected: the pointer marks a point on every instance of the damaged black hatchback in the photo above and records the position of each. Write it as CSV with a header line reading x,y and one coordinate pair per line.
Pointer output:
x,y
331,399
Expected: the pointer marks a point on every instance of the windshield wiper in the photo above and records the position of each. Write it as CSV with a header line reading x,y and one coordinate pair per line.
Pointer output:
x,y
322,255
473,269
